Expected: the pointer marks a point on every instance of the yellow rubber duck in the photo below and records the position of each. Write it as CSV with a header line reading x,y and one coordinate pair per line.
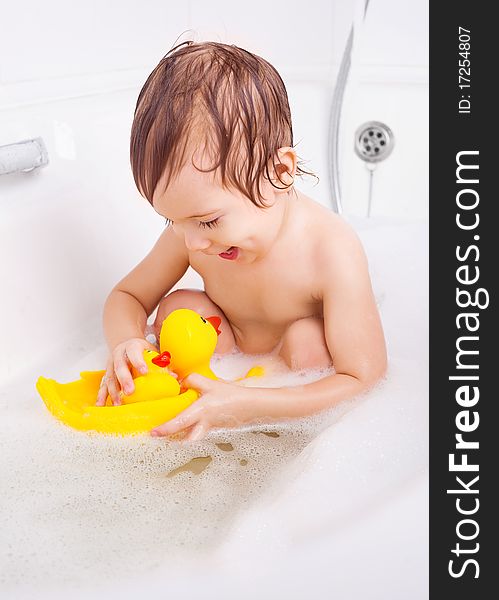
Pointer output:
x,y
190,340
157,383
187,342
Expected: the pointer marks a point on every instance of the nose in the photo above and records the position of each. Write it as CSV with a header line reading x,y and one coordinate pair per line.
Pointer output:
x,y
196,241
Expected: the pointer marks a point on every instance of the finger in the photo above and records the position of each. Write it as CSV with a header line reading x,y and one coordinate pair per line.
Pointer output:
x,y
123,375
102,394
136,358
198,382
198,432
112,386
183,421
103,390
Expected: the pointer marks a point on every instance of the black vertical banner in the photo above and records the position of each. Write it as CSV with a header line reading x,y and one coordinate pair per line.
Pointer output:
x,y
464,268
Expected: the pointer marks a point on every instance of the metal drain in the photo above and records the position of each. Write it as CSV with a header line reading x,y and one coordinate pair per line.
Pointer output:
x,y
374,141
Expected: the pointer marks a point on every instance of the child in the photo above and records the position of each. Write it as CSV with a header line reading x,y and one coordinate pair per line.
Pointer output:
x,y
212,151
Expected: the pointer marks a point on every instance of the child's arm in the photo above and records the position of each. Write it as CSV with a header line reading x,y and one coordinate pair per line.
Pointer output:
x,y
355,341
130,303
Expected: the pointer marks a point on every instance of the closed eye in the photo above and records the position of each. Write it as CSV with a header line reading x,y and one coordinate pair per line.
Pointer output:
x,y
209,224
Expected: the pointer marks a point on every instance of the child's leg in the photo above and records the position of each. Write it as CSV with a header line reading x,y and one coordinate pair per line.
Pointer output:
x,y
201,303
304,345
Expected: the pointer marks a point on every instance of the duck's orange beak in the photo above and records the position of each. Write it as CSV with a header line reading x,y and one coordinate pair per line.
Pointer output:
x,y
215,321
162,360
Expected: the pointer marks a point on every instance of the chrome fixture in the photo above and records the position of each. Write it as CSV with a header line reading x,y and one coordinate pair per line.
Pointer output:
x,y
334,121
374,142
23,157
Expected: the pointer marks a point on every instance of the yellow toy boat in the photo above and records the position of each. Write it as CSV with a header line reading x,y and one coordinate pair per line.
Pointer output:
x,y
187,342
74,404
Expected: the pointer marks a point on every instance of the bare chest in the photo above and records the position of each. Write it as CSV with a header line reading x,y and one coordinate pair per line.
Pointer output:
x,y
273,295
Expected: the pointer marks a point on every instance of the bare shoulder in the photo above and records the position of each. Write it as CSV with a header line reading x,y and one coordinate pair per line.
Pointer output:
x,y
352,325
336,246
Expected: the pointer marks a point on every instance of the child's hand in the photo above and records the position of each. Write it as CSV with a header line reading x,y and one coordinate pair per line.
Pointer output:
x,y
221,405
118,378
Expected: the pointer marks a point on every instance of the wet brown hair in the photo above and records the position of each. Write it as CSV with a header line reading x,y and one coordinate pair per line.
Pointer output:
x,y
223,97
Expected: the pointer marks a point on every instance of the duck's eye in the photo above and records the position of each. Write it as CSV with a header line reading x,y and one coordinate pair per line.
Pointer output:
x,y
204,320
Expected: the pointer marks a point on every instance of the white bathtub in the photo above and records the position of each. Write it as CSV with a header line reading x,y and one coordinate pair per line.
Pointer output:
x,y
335,508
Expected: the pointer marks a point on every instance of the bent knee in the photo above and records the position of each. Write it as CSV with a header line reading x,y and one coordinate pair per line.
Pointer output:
x,y
193,299
198,301
304,345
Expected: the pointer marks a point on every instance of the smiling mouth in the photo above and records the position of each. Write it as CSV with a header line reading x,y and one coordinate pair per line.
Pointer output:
x,y
230,254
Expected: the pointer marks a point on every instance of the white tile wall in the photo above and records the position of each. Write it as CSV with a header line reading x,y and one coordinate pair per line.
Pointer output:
x,y
57,38
56,48
396,33
288,34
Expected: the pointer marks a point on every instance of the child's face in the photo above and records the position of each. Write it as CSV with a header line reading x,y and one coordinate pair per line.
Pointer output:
x,y
219,222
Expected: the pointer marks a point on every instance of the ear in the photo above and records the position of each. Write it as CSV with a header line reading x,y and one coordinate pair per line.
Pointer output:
x,y
282,169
